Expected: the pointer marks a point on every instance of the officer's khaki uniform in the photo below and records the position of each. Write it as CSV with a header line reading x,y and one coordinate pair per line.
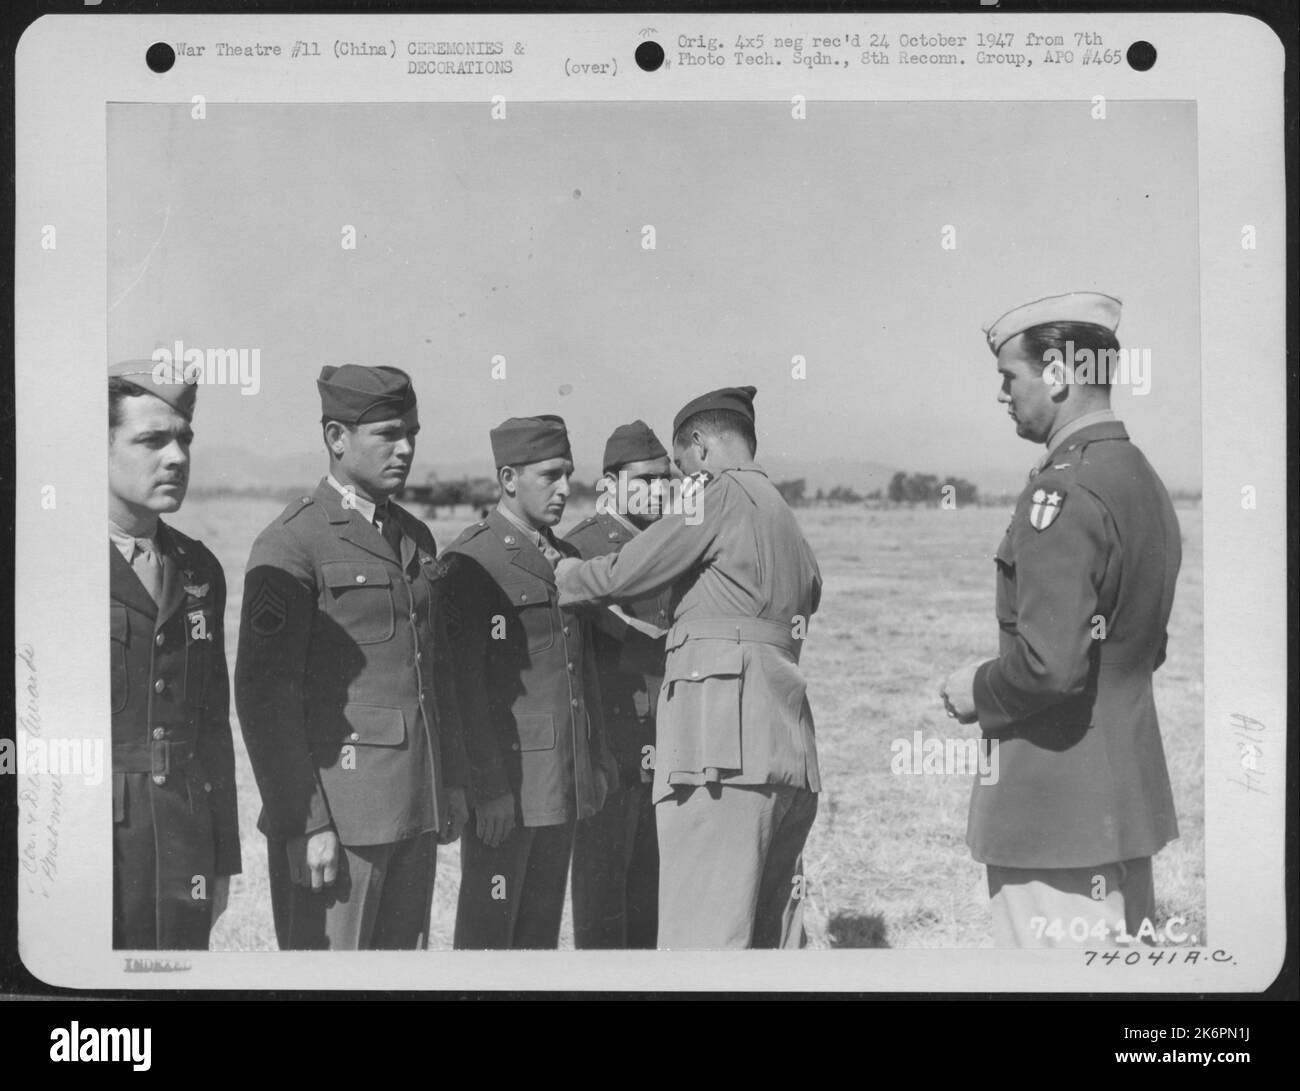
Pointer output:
x,y
736,761
175,824
529,703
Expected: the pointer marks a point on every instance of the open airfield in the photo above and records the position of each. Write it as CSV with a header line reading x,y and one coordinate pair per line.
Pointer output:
x,y
908,595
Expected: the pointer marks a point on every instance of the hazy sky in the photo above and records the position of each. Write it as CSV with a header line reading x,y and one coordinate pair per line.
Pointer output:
x,y
774,238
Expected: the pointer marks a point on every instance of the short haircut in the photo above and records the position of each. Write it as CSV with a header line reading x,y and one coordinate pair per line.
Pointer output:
x,y
119,388
718,422
1058,337
326,421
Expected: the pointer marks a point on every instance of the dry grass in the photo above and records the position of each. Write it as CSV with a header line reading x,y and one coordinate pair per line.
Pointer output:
x,y
908,595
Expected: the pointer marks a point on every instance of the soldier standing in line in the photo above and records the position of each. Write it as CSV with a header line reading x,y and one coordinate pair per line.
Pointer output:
x,y
736,776
343,687
615,853
175,823
1085,584
528,696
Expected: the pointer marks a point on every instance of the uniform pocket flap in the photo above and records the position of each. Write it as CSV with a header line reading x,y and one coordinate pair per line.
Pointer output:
x,y
536,730
118,625
699,659
525,590
376,725
340,574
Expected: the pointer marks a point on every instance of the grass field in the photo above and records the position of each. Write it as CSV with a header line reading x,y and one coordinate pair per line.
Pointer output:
x,y
908,596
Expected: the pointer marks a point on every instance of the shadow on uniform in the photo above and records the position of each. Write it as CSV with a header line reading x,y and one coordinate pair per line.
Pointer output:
x,y
857,930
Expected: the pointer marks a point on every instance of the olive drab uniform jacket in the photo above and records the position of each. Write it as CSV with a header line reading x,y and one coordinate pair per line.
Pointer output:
x,y
529,699
341,682
1085,584
744,586
174,813
630,663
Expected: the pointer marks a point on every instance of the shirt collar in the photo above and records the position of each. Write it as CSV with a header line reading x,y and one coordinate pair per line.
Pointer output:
x,y
1058,437
534,535
353,498
128,543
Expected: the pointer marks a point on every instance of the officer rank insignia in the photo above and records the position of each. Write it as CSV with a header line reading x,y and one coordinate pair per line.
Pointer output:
x,y
1045,508
268,611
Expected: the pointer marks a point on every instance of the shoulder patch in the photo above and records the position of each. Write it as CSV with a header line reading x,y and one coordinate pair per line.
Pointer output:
x,y
1045,505
268,611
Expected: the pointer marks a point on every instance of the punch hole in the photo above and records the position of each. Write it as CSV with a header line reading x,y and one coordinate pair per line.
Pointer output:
x,y
650,56
160,57
1141,56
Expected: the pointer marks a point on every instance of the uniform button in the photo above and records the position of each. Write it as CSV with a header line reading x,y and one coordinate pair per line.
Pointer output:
x,y
159,733
566,630
412,617
354,736
695,674
159,686
360,578
422,696
158,640
514,746
419,657
408,577
574,702
158,778
207,787
571,666
523,596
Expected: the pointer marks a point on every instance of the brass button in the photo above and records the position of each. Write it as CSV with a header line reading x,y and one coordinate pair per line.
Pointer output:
x,y
566,630
158,640
514,746
354,736
158,778
695,674
419,656
159,686
523,596
360,578
207,787
159,733
571,666
412,617
574,702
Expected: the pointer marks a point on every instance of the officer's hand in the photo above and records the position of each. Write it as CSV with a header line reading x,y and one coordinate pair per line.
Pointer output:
x,y
958,694
314,859
495,819
457,817
220,896
565,564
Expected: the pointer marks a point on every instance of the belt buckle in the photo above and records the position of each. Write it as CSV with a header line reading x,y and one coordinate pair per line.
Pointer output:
x,y
160,760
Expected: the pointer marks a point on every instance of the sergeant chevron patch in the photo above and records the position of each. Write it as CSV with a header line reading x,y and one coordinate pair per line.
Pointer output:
x,y
1045,508
267,611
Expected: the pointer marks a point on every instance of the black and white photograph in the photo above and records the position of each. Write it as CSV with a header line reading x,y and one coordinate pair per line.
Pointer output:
x,y
738,518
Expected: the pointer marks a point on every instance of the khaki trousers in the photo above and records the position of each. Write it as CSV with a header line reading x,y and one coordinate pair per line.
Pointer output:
x,y
731,865
1102,906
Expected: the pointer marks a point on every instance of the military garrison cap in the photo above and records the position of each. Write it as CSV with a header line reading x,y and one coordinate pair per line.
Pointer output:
x,y
160,379
738,399
521,440
354,394
1091,307
635,442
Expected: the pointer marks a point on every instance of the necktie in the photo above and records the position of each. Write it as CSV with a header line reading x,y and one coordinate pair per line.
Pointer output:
x,y
391,530
146,565
546,544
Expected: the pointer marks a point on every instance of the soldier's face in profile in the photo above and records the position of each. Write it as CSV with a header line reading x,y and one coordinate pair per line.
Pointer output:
x,y
1029,400
148,460
686,457
375,457
540,490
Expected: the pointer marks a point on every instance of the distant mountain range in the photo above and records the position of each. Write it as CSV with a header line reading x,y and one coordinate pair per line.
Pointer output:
x,y
238,468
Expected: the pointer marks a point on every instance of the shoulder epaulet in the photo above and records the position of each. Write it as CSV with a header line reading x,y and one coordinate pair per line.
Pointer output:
x,y
295,507
470,532
586,524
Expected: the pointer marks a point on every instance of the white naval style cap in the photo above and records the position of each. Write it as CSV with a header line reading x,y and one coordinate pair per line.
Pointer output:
x,y
1093,307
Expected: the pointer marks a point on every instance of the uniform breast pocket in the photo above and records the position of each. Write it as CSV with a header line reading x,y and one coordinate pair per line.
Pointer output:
x,y
118,637
359,601
535,613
